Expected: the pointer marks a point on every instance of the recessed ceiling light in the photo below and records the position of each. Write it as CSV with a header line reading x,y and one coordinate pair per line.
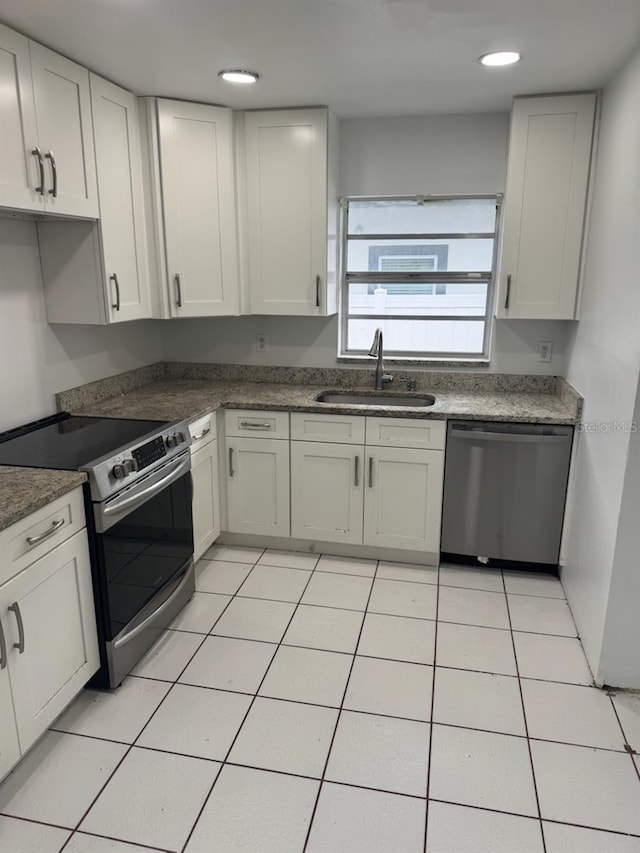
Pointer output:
x,y
501,57
236,75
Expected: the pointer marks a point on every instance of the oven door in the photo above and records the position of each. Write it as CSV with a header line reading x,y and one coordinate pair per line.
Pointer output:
x,y
144,559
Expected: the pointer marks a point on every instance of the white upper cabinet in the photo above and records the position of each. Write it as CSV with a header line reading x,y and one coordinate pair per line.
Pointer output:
x,y
63,115
192,196
46,146
18,180
97,272
550,151
291,199
117,140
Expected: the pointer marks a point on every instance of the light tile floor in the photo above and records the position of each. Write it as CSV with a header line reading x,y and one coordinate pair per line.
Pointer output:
x,y
330,705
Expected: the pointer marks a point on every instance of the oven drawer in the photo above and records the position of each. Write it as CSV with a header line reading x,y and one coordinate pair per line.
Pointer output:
x,y
30,538
202,431
240,422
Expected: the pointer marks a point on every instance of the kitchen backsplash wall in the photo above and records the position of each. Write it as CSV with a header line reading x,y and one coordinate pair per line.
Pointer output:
x,y
36,359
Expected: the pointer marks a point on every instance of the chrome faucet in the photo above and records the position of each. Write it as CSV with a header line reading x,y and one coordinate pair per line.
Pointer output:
x,y
376,351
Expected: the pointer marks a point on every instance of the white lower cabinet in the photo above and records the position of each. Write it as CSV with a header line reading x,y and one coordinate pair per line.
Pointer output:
x,y
206,488
258,486
326,491
48,640
403,500
9,744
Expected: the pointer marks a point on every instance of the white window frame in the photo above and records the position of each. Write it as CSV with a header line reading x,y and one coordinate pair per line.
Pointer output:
x,y
432,277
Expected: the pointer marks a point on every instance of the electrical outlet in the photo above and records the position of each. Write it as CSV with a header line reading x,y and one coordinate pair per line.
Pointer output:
x,y
545,348
261,342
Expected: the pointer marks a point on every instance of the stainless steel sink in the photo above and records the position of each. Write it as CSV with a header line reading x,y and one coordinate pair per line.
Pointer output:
x,y
348,398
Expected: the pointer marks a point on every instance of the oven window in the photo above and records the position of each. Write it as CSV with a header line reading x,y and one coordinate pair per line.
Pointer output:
x,y
144,552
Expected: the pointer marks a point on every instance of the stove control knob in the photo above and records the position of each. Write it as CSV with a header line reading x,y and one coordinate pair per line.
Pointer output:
x,y
172,440
181,437
119,471
130,466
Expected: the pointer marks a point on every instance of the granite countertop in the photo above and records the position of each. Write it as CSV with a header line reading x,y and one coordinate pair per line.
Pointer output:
x,y
175,399
24,490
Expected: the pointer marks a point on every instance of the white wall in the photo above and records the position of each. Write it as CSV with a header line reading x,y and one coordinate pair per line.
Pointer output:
x,y
604,364
386,156
37,360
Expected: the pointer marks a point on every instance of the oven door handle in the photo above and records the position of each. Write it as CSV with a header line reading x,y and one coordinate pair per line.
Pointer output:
x,y
134,632
143,495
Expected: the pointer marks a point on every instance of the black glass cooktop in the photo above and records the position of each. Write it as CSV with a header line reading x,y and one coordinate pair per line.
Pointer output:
x,y
68,441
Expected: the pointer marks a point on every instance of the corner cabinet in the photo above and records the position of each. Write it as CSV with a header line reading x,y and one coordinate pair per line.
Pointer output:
x,y
47,163
48,641
549,164
97,272
192,207
291,215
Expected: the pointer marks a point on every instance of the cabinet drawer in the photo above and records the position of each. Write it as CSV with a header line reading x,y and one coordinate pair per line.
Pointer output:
x,y
202,431
406,432
30,538
248,422
338,429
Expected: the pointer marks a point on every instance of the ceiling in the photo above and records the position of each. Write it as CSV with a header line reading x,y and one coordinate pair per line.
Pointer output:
x,y
361,57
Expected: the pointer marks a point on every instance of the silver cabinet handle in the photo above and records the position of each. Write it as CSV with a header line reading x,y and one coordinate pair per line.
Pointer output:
x,y
35,540
3,649
202,434
114,279
371,472
508,296
54,173
231,471
255,425
318,285
38,153
15,607
176,279
356,476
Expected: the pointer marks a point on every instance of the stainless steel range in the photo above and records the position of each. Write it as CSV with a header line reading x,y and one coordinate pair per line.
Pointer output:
x,y
138,506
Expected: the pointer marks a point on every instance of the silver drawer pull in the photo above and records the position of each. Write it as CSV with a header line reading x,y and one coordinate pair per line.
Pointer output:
x,y
371,472
255,425
201,434
231,471
356,476
15,608
35,540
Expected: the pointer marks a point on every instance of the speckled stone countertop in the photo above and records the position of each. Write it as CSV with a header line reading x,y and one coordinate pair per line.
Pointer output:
x,y
173,399
24,490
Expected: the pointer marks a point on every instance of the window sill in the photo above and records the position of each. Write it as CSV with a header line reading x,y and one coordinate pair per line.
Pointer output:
x,y
478,363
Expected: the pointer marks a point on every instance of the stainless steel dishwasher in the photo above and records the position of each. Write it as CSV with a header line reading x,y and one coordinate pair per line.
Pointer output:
x,y
505,487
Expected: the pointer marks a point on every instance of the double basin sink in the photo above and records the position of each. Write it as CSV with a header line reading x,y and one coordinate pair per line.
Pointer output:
x,y
376,398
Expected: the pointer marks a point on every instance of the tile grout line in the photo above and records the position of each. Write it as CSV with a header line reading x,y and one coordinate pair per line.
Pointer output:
x,y
335,728
636,766
526,725
433,701
248,711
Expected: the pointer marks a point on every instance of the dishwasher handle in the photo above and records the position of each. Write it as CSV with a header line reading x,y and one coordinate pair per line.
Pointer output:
x,y
516,438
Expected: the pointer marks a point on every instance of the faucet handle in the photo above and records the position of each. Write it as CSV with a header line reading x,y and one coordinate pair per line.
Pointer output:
x,y
387,379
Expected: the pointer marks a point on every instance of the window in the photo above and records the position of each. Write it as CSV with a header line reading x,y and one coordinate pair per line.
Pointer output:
x,y
421,269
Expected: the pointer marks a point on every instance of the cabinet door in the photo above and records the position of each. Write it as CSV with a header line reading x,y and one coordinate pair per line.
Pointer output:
x,y
545,202
63,114
19,175
197,175
286,159
119,170
54,621
9,746
403,498
206,497
327,491
258,486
